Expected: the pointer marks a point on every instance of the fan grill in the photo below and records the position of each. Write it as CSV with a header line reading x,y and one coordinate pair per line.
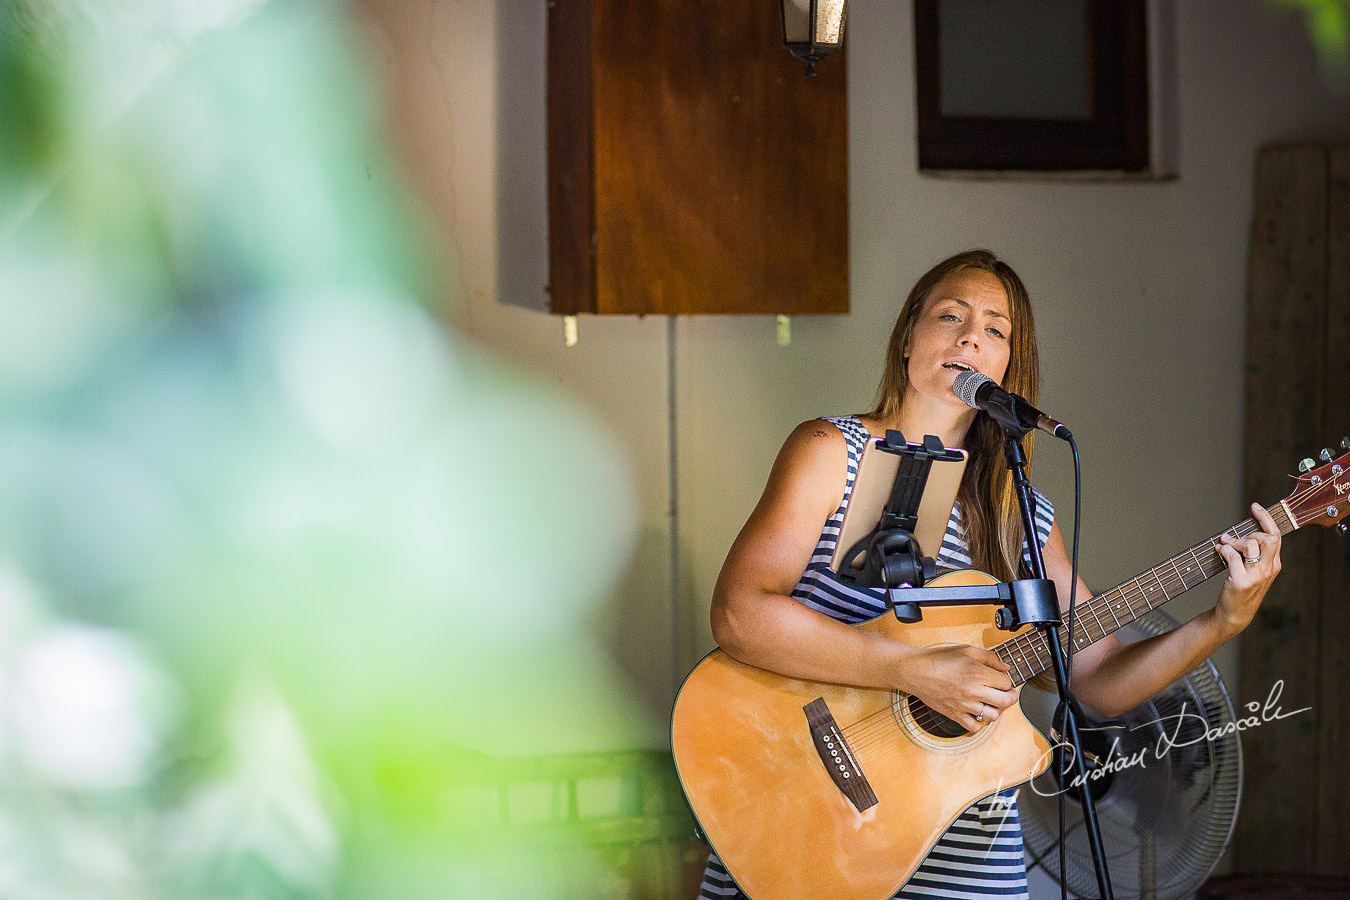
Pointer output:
x,y
1165,818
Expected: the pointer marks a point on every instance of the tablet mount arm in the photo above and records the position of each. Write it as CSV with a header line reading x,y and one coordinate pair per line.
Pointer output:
x,y
889,556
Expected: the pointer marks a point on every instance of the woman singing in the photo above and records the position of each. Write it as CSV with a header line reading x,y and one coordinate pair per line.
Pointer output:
x,y
778,607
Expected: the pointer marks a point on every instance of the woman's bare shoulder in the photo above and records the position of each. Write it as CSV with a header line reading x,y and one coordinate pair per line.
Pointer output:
x,y
810,469
815,442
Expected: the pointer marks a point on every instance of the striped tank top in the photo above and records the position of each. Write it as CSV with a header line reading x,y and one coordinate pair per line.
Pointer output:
x,y
980,855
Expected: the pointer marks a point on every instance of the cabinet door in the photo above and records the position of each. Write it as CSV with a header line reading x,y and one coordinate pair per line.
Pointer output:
x,y
693,168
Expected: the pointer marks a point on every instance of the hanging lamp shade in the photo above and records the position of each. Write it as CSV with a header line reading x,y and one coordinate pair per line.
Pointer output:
x,y
813,29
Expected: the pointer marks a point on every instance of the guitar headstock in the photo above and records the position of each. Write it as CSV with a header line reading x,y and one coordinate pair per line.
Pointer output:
x,y
1323,493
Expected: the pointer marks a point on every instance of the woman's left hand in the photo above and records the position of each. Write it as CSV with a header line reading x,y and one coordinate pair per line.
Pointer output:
x,y
1253,562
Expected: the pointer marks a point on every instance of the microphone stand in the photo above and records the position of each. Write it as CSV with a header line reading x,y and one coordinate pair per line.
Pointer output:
x,y
1049,627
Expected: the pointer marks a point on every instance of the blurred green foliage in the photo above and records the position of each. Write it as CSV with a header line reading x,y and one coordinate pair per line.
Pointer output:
x,y
298,552
1328,24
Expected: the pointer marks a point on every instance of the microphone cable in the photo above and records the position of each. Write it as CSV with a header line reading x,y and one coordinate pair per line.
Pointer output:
x,y
1068,653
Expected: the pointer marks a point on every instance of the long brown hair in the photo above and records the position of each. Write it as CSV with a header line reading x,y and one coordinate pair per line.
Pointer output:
x,y
989,510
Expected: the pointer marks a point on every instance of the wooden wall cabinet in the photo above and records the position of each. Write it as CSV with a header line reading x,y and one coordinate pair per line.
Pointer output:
x,y
692,167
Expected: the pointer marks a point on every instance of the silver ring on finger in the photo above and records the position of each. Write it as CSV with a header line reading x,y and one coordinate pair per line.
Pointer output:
x,y
979,716
1251,560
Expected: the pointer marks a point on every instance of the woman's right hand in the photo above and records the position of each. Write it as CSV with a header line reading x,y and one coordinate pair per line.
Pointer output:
x,y
969,685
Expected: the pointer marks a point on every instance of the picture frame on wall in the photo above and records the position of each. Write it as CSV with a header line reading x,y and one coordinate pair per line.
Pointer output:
x,y
1032,85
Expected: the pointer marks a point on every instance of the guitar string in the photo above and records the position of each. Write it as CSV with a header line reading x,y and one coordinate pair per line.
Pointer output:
x,y
928,719
879,721
1133,590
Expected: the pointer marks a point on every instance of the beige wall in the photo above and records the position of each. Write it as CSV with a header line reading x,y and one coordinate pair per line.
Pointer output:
x,y
1140,292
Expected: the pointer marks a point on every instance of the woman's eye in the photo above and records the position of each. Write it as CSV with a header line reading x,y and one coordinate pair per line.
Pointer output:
x,y
995,332
951,316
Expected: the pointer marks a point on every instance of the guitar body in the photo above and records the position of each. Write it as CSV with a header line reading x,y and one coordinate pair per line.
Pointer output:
x,y
771,807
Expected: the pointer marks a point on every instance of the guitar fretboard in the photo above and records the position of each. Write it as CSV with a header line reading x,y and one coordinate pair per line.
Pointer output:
x,y
1112,610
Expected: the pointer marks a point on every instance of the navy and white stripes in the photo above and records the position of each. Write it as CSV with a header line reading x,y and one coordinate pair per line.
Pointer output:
x,y
980,855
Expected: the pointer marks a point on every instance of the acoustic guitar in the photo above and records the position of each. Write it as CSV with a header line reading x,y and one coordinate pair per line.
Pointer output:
x,y
808,789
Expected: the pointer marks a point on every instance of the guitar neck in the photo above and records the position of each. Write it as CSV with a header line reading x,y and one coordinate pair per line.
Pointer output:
x,y
1112,610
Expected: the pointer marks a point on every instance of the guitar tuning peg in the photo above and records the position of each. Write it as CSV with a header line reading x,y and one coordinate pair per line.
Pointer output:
x,y
1345,443
1326,455
1307,465
1341,528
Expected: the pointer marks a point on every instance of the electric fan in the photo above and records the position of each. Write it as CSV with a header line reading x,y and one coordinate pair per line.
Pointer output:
x,y
1167,788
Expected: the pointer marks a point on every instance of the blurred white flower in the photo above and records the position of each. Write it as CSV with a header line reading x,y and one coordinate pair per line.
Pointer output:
x,y
262,813
89,709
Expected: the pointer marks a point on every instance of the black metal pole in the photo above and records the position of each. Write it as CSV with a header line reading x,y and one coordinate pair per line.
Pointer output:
x,y
1017,460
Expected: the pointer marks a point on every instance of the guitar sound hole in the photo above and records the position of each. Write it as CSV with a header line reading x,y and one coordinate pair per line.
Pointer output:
x,y
932,721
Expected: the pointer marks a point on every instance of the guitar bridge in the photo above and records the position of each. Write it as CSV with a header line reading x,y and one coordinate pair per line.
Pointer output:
x,y
837,757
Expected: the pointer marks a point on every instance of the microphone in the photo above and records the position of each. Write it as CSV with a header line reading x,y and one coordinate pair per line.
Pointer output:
x,y
979,391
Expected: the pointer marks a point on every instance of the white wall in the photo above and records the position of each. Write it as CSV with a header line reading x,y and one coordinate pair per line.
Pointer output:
x,y
1140,291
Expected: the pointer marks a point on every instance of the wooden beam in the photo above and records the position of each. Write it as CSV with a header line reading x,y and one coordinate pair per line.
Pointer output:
x,y
1333,826
1278,828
